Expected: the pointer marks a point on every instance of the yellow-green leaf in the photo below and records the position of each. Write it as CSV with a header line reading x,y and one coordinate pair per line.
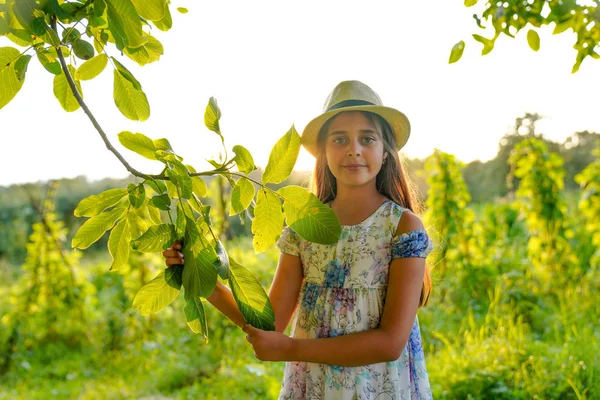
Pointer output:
x,y
457,52
166,22
241,196
533,39
118,244
91,68
156,238
48,61
146,53
132,102
153,10
160,291
199,275
62,91
212,115
268,220
95,204
470,3
182,10
95,227
250,297
195,315
243,159
9,82
308,217
124,23
282,158
138,143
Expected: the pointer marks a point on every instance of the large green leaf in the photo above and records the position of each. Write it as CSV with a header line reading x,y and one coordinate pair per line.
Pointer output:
x,y
308,217
62,91
160,291
268,220
118,244
166,22
124,23
241,196
156,238
48,61
154,214
251,298
94,228
199,275
138,143
243,159
95,204
146,53
195,315
91,68
162,202
282,158
137,195
9,82
153,10
179,175
132,102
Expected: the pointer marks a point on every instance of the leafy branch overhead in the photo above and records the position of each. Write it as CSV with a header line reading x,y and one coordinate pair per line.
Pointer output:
x,y
150,215
511,17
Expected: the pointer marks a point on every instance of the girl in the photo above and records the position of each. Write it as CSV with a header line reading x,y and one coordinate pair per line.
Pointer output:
x,y
355,332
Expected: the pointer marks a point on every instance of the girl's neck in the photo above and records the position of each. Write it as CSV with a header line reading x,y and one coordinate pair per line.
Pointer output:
x,y
353,205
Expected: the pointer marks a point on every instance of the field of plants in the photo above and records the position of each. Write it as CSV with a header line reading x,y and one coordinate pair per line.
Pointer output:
x,y
513,312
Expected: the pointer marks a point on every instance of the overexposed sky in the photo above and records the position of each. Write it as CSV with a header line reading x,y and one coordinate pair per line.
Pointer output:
x,y
271,64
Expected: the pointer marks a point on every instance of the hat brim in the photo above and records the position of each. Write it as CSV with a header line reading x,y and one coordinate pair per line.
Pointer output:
x,y
396,119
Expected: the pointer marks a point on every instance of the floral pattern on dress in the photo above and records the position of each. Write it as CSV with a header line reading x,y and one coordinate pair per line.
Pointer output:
x,y
343,292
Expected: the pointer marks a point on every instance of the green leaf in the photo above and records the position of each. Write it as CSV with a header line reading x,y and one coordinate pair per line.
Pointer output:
x,y
470,3
180,221
136,224
198,185
95,204
146,53
154,214
153,10
162,202
163,144
241,196
199,275
212,115
21,67
282,158
160,291
195,315
243,159
48,61
308,217
167,22
138,143
137,195
156,238
9,82
222,262
132,102
118,244
62,91
157,185
91,68
251,298
268,220
488,44
533,39
95,227
182,10
179,175
457,52
124,23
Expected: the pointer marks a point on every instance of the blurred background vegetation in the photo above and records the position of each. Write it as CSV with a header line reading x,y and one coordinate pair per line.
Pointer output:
x,y
512,312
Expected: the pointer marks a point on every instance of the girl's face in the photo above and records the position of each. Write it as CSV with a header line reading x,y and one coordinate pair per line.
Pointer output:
x,y
354,149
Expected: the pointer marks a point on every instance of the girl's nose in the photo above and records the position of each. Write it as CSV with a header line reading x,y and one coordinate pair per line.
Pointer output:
x,y
354,149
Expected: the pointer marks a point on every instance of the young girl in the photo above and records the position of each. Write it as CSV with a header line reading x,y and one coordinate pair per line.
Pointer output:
x,y
355,332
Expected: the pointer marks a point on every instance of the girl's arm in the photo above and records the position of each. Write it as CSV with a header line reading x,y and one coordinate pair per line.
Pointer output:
x,y
379,345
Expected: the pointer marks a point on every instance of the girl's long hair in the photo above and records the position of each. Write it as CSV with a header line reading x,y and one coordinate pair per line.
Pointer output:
x,y
391,180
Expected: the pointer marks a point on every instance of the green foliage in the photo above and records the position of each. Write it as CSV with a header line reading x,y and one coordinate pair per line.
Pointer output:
x,y
160,291
589,204
510,17
282,158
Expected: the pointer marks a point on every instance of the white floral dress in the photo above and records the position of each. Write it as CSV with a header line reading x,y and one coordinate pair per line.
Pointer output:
x,y
344,292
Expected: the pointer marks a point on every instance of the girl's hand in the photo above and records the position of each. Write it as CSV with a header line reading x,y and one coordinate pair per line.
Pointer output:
x,y
172,255
269,345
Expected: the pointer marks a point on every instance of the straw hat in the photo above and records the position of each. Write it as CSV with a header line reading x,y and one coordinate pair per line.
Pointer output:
x,y
355,96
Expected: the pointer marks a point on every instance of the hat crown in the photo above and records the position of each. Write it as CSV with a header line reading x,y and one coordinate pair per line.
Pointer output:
x,y
351,92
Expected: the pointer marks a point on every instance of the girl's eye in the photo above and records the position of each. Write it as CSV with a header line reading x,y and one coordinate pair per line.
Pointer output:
x,y
369,139
339,140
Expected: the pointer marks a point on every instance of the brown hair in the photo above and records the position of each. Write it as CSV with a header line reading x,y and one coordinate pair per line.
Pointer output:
x,y
391,180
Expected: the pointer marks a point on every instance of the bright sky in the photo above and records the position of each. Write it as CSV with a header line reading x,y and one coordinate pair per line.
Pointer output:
x,y
271,64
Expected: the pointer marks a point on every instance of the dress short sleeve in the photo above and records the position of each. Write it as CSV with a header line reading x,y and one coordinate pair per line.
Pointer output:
x,y
289,242
415,243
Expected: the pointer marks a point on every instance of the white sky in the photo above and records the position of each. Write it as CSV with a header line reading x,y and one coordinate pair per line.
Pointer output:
x,y
271,64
